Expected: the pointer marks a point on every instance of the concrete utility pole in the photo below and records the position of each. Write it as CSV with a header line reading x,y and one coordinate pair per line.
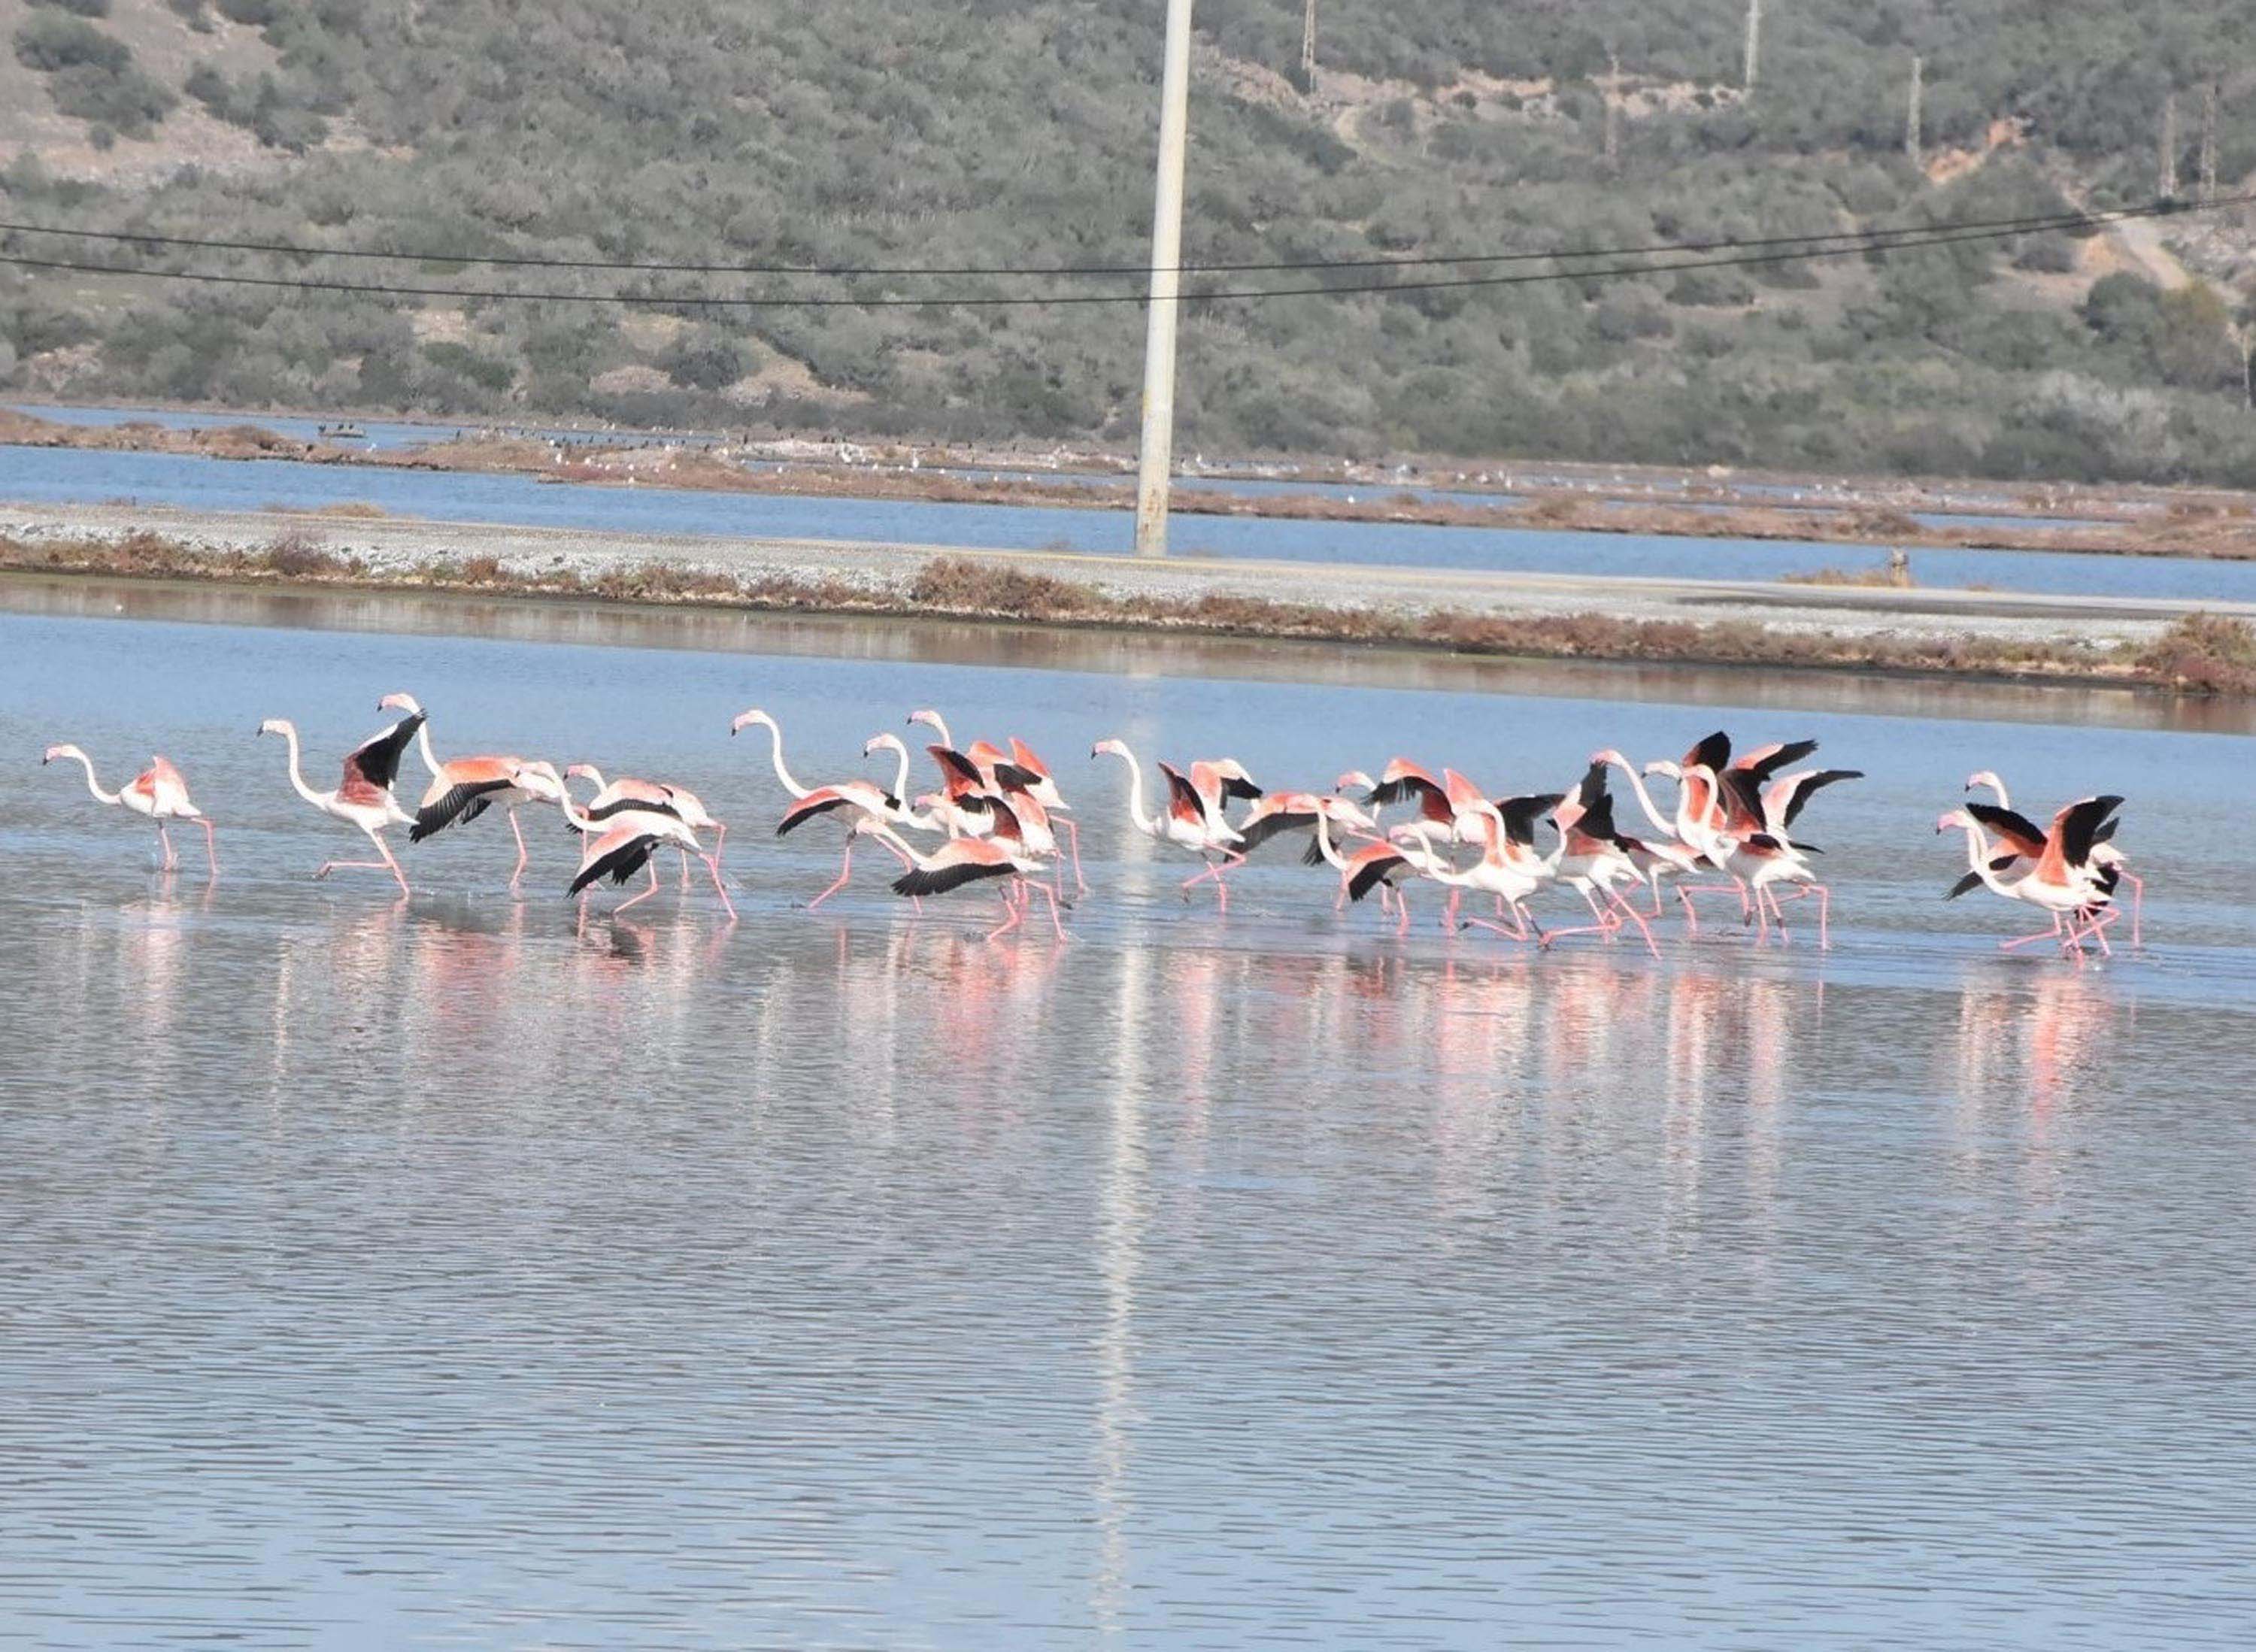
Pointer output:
x,y
2208,141
1911,115
1154,468
1308,49
1613,109
1754,46
2169,146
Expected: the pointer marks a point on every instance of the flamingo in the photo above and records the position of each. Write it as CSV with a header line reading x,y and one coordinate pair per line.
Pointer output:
x,y
1704,809
364,797
1510,876
2061,879
1187,823
1669,855
1385,866
1041,786
866,807
2019,832
462,790
621,844
1403,781
1757,848
158,792
1279,811
963,860
1589,860
611,796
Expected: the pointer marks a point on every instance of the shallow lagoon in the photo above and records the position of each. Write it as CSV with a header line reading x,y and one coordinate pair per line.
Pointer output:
x,y
434,1274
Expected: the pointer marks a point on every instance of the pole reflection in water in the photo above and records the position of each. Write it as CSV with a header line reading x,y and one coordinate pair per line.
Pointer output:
x,y
1121,1217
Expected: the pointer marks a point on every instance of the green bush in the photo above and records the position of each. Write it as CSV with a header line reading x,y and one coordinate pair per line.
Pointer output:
x,y
125,100
48,43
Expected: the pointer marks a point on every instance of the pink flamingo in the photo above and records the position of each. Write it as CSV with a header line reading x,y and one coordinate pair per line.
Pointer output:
x,y
2020,834
1187,822
612,795
462,790
2062,879
965,860
158,792
620,846
363,797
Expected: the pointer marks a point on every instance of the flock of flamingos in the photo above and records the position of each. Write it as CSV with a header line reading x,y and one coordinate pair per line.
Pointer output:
x,y
999,817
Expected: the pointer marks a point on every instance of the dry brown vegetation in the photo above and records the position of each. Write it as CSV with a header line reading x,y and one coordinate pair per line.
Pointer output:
x,y
2203,653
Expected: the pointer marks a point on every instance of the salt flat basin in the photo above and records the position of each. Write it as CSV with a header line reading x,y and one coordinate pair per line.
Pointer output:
x,y
434,1273
190,481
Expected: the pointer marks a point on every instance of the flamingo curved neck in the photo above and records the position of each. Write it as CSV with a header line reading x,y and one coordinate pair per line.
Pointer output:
x,y
1661,822
1324,845
939,725
423,744
1977,858
901,780
916,856
100,796
1148,824
297,775
775,756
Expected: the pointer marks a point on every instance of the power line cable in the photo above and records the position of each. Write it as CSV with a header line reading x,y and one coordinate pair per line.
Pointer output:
x,y
1943,235
2027,224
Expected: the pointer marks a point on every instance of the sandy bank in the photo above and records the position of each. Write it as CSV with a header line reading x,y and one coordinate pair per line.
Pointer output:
x,y
1970,632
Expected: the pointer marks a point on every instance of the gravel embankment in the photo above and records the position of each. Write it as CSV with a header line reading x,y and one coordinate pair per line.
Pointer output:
x,y
399,545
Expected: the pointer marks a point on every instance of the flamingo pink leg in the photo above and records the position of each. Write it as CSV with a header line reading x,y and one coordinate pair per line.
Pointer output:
x,y
636,901
1046,895
1605,929
1691,914
211,846
2138,906
1636,918
385,864
1011,917
170,861
1518,931
515,878
1073,847
2052,934
713,865
1402,906
845,871
1733,888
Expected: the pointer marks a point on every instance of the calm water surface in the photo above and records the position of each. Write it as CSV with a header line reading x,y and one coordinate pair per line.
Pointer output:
x,y
191,481
433,1274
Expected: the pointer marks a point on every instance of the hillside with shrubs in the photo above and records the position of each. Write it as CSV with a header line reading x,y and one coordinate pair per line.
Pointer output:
x,y
975,134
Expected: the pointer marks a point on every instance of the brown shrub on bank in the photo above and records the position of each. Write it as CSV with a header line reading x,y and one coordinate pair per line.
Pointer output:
x,y
1879,522
663,583
2204,653
963,585
295,554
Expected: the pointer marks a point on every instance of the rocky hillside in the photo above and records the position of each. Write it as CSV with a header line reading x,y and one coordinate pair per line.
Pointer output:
x,y
968,132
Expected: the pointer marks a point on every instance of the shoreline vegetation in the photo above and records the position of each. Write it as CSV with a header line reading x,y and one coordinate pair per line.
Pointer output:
x,y
2125,521
2198,654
